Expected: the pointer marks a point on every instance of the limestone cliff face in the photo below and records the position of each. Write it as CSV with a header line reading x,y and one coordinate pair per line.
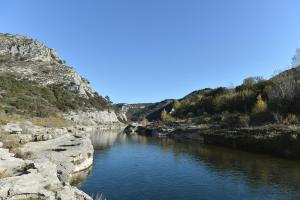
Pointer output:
x,y
30,59
26,59
93,118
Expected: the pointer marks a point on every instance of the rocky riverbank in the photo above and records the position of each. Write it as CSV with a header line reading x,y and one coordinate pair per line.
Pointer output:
x,y
277,140
39,163
47,112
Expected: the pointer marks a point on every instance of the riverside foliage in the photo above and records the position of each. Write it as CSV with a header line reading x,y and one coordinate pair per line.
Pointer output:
x,y
273,100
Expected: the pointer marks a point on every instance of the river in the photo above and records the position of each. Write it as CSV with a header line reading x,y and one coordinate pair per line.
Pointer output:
x,y
144,168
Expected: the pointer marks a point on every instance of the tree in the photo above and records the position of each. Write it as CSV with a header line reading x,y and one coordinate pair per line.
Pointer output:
x,y
284,86
177,105
144,121
296,59
260,105
165,117
108,99
250,81
283,94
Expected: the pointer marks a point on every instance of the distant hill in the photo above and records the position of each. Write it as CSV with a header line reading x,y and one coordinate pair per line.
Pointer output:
x,y
265,101
151,111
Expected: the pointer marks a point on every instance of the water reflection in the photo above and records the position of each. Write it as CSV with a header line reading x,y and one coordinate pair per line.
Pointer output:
x,y
186,170
105,139
79,177
258,169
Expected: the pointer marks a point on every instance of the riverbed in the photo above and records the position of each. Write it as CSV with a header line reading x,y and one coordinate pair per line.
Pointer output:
x,y
142,168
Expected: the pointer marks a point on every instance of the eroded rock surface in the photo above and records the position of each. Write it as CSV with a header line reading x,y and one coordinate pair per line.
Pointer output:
x,y
42,64
93,118
42,167
35,180
71,153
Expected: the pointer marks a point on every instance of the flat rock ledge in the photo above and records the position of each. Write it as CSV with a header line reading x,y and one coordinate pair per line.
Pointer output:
x,y
71,153
42,167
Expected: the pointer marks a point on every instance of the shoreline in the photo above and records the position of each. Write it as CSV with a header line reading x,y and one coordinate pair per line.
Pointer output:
x,y
48,158
277,140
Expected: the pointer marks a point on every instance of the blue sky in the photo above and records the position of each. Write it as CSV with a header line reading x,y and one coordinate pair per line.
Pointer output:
x,y
150,50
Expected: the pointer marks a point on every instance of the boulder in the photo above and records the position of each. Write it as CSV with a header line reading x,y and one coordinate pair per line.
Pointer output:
x,y
131,129
12,128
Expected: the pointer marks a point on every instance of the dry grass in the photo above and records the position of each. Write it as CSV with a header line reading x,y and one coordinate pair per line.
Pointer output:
x,y
10,141
23,155
203,126
5,174
294,127
4,118
56,121
52,122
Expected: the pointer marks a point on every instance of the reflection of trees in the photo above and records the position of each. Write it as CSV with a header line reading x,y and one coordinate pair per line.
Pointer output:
x,y
257,169
78,178
104,139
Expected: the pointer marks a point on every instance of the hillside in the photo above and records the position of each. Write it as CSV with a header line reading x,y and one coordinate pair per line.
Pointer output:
x,y
34,81
256,101
273,100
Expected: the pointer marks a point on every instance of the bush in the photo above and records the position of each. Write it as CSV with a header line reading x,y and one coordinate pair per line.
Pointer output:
x,y
291,119
144,121
260,106
235,121
261,118
165,117
177,105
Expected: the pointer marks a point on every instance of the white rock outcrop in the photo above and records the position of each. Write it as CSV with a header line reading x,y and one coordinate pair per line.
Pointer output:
x,y
32,60
12,128
93,118
44,168
70,152
37,180
27,48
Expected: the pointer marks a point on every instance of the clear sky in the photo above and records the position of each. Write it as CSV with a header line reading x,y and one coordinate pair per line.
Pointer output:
x,y
150,50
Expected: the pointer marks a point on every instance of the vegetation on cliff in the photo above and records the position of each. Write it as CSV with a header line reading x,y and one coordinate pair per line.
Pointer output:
x,y
21,96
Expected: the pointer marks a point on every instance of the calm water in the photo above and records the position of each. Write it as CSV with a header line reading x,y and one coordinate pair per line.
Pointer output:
x,y
140,168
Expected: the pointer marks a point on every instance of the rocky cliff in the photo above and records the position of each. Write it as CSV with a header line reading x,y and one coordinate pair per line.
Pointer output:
x,y
30,59
36,81
47,113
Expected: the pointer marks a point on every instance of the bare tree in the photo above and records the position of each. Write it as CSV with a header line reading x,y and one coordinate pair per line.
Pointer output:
x,y
250,81
282,91
296,59
284,87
